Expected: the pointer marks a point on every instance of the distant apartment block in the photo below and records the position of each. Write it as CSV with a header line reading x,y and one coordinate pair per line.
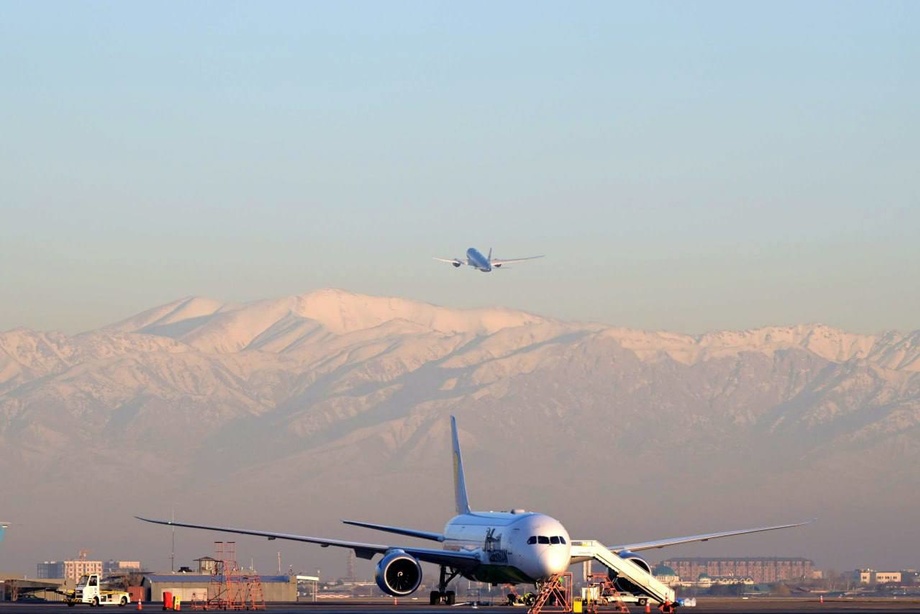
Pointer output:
x,y
758,569
74,569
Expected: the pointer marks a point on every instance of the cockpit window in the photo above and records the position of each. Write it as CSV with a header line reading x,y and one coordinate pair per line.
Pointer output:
x,y
543,539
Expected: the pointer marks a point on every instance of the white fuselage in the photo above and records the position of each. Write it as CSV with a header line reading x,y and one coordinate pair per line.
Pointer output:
x,y
515,546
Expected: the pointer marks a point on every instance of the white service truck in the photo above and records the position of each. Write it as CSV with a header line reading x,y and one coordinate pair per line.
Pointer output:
x,y
89,589
639,600
608,595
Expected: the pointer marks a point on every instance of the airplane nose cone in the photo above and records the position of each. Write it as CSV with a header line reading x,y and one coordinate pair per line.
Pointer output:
x,y
554,561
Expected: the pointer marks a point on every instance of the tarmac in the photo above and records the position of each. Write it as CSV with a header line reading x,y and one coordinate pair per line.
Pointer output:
x,y
704,606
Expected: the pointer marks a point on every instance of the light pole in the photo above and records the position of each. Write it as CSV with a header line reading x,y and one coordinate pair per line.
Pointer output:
x,y
172,551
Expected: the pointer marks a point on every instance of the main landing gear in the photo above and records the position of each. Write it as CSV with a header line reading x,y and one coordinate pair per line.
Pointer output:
x,y
442,595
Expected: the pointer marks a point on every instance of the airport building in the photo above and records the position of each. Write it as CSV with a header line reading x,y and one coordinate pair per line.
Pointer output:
x,y
193,588
870,576
759,569
50,569
666,575
121,567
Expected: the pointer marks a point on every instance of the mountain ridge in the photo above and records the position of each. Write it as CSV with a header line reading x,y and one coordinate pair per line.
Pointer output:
x,y
196,395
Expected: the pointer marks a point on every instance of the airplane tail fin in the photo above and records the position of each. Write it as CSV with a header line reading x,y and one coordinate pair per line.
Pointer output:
x,y
463,502
489,258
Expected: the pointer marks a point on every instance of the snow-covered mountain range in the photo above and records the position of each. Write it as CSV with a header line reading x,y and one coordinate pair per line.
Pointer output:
x,y
295,412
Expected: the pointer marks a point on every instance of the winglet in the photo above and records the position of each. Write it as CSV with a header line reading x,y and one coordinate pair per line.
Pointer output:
x,y
463,502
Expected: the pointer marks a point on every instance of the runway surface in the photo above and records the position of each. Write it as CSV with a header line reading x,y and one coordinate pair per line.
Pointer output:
x,y
721,606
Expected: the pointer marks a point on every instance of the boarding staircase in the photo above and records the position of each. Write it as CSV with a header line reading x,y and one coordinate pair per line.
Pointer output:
x,y
590,549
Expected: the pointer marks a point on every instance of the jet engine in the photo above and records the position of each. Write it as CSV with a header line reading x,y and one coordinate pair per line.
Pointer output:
x,y
456,264
622,584
398,574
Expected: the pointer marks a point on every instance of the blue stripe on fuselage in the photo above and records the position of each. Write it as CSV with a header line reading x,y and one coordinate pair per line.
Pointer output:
x,y
475,258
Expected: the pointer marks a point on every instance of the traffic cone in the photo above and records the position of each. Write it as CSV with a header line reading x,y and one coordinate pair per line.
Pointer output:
x,y
648,608
139,605
822,599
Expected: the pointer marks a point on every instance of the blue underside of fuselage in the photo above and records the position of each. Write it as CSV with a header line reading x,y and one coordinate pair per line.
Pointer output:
x,y
475,259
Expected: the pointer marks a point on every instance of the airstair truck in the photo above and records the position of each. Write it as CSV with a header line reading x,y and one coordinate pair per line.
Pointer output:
x,y
89,589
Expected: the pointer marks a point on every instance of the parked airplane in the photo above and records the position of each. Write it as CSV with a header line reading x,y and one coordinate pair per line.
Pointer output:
x,y
475,259
514,547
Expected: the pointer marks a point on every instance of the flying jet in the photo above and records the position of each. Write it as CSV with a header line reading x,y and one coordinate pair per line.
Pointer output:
x,y
512,547
3,528
475,259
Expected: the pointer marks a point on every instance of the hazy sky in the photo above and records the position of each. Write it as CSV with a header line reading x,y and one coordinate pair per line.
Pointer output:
x,y
683,166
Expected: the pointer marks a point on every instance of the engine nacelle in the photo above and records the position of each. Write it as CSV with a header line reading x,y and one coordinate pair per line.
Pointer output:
x,y
622,584
398,574
456,264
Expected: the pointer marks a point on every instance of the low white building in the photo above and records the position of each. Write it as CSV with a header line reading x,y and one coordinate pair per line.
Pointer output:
x,y
871,576
192,588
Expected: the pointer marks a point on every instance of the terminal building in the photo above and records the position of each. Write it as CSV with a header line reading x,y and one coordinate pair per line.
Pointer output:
x,y
762,570
871,576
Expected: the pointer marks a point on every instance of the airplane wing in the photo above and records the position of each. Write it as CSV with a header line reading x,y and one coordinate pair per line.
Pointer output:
x,y
453,261
497,262
673,541
398,530
457,559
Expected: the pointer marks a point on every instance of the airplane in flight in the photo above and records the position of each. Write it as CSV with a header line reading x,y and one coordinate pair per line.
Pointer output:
x,y
3,527
512,547
475,259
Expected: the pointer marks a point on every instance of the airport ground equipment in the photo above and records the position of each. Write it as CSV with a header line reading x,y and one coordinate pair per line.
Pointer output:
x,y
90,589
229,588
625,569
556,591
602,590
255,598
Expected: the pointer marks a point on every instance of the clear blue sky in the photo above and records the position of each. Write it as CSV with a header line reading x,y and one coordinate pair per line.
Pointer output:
x,y
683,166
